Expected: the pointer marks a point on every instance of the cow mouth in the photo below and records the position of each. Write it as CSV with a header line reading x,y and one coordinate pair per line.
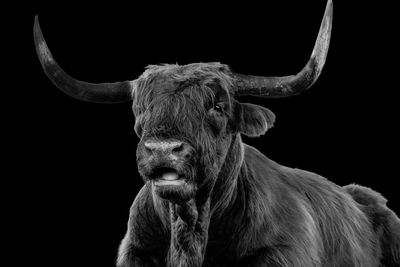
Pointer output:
x,y
165,176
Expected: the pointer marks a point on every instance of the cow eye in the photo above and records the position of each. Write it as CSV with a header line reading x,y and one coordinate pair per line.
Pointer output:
x,y
218,108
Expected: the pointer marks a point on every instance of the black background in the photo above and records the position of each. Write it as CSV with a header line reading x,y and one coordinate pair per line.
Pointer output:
x,y
76,173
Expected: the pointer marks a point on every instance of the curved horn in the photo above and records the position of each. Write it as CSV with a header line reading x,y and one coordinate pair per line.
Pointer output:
x,y
99,93
294,84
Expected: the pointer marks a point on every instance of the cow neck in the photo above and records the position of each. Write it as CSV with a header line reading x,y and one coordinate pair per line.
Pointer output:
x,y
189,233
225,191
189,222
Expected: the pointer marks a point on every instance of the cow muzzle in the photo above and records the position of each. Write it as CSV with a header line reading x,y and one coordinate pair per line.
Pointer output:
x,y
166,160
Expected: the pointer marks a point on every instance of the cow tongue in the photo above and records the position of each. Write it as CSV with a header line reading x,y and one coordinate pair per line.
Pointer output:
x,y
170,176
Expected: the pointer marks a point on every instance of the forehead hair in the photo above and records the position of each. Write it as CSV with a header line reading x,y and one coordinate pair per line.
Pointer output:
x,y
172,78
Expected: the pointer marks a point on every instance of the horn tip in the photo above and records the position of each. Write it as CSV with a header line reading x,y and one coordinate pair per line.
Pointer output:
x,y
36,26
330,7
37,32
40,44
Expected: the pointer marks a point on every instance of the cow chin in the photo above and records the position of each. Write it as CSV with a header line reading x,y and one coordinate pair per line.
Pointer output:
x,y
192,183
175,193
171,182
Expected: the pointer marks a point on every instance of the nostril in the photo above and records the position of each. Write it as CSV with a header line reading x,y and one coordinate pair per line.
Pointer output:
x,y
187,156
148,149
178,148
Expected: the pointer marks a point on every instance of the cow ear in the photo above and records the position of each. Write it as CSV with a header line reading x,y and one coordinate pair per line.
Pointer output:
x,y
254,120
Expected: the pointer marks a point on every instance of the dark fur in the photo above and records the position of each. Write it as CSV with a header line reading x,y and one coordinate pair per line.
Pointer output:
x,y
240,208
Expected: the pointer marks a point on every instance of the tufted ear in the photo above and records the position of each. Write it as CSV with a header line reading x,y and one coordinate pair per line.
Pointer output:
x,y
253,120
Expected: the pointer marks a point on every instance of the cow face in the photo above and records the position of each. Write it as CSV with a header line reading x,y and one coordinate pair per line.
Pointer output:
x,y
186,119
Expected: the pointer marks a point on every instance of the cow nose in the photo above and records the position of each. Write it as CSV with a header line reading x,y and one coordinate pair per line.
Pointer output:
x,y
175,148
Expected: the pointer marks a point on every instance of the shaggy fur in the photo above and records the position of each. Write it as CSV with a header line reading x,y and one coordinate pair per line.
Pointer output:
x,y
239,208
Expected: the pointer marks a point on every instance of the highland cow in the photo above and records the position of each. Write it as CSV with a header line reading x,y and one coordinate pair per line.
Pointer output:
x,y
211,200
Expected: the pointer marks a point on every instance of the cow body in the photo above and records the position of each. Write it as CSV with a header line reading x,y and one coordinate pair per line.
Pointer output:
x,y
270,215
209,199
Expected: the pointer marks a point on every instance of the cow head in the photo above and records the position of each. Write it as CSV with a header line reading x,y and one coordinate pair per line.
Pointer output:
x,y
187,116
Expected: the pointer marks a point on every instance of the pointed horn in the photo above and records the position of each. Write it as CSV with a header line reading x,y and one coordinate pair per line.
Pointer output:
x,y
99,93
294,84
